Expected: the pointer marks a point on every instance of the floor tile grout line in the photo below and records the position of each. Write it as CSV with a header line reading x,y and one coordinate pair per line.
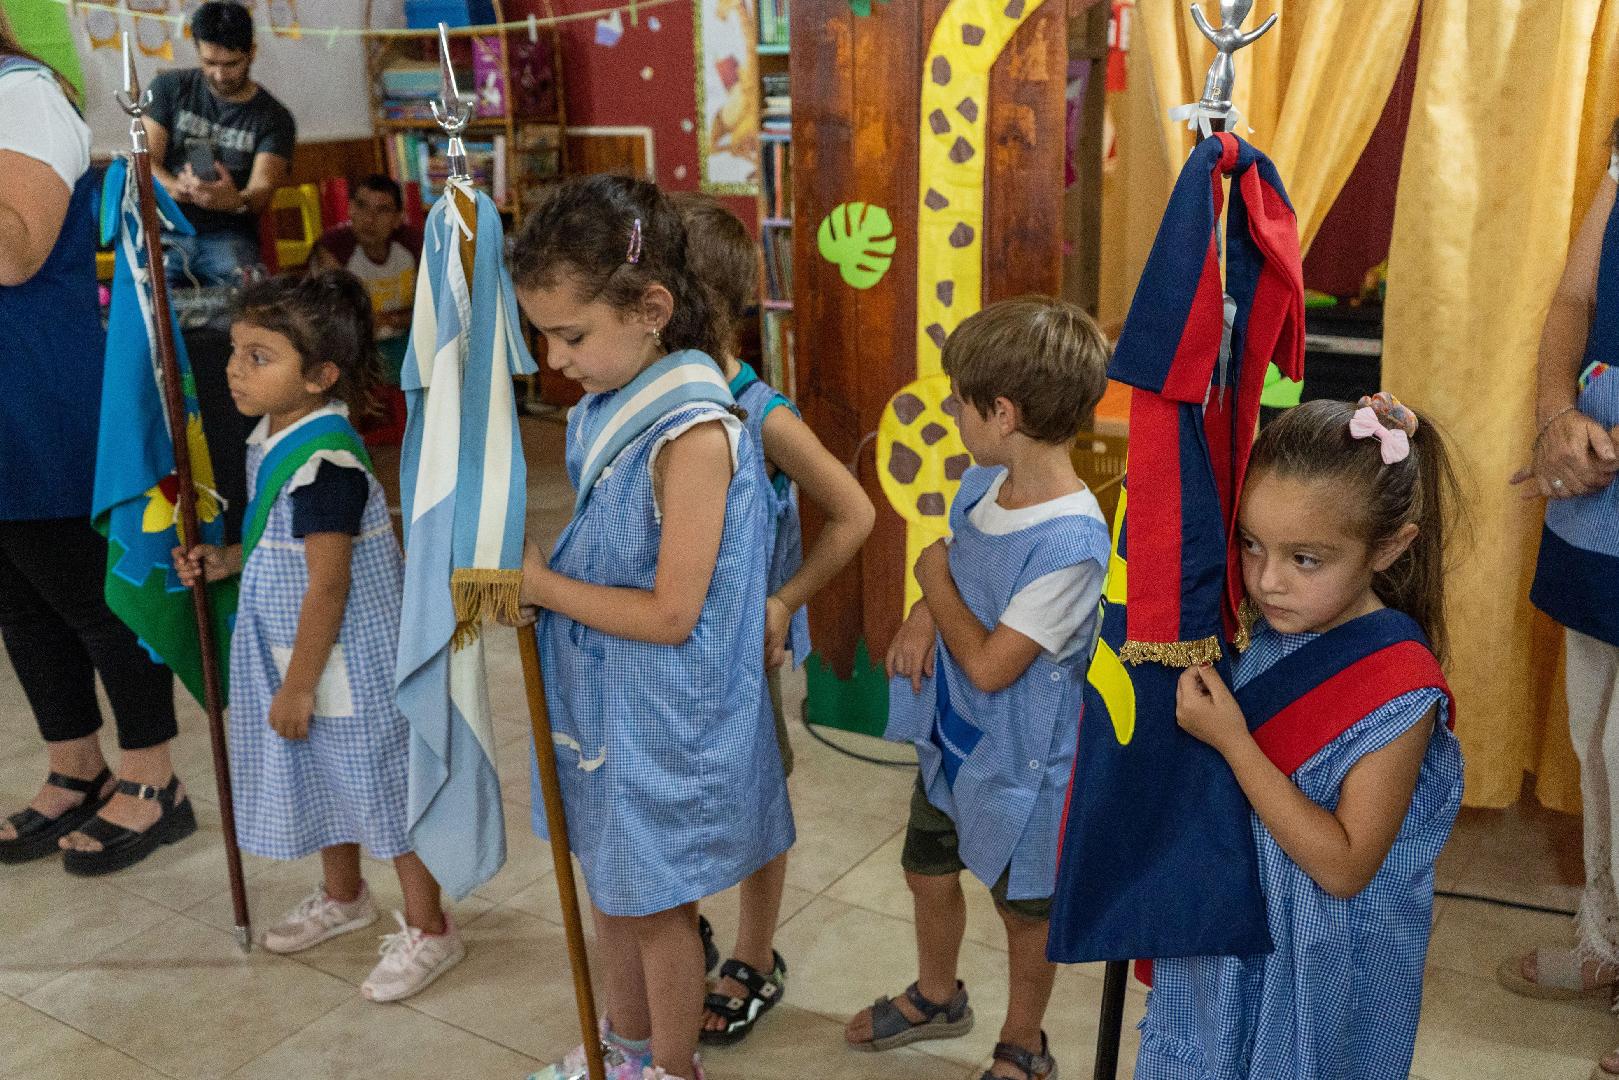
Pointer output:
x,y
290,1036
120,1051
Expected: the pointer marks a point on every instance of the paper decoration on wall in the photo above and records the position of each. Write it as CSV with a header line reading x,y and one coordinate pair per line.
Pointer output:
x,y
920,456
152,35
858,238
968,38
609,29
1120,21
861,8
284,19
101,24
488,79
727,96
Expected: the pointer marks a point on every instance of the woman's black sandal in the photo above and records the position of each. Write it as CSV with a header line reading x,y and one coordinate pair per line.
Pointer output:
x,y
37,834
121,847
1041,1066
741,1013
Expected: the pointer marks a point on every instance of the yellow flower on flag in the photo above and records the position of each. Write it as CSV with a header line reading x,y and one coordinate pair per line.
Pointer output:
x,y
162,500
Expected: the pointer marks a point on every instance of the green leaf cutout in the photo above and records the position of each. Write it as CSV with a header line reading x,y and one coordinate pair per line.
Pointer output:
x,y
858,238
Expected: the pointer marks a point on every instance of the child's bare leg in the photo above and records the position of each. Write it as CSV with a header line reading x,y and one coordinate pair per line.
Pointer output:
x,y
423,901
617,958
340,872
1031,978
941,923
756,928
671,954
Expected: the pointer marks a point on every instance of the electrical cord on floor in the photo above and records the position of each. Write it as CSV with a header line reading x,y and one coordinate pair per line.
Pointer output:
x,y
1498,902
891,763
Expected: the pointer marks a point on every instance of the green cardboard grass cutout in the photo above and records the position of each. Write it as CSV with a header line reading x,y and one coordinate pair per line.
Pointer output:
x,y
858,238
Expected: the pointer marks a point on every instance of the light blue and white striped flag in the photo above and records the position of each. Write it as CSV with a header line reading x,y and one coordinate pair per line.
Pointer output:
x,y
463,487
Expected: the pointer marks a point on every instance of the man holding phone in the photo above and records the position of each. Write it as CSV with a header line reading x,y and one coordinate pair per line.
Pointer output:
x,y
221,144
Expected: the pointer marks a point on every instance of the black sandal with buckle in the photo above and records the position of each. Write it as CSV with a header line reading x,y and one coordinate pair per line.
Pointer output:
x,y
121,847
1041,1066
37,834
741,1013
711,951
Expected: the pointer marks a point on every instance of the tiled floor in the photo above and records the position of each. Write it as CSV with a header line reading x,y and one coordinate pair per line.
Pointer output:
x,y
136,976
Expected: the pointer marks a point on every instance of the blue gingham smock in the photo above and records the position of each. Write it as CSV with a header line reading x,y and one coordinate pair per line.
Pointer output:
x,y
1339,997
346,782
669,768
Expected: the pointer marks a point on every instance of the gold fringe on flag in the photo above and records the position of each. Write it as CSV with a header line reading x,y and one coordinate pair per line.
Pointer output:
x,y
1177,654
1247,615
479,595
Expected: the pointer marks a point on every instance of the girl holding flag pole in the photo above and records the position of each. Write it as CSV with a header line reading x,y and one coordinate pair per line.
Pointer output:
x,y
654,590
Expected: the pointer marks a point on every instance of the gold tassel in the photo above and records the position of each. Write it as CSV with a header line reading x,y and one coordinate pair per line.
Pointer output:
x,y
482,594
1177,654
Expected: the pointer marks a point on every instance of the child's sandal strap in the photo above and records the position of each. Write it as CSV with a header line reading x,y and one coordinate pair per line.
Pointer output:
x,y
1034,1066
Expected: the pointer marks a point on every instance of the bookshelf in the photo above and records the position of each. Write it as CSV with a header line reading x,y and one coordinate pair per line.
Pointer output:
x,y
776,199
516,138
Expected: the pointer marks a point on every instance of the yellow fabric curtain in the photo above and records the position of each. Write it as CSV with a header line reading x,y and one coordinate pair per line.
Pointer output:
x,y
1507,143
1312,89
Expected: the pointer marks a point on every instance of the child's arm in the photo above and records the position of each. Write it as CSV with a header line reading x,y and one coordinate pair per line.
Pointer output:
x,y
792,447
696,477
992,659
213,563
910,654
327,556
1341,850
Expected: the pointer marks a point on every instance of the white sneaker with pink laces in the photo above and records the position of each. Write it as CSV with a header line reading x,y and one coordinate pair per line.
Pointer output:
x,y
319,918
411,960
654,1072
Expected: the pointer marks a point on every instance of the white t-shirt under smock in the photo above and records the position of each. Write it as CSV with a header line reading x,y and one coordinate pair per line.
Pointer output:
x,y
1050,610
37,121
1613,164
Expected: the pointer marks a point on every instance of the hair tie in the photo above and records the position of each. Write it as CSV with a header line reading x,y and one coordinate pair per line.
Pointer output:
x,y
633,256
1383,418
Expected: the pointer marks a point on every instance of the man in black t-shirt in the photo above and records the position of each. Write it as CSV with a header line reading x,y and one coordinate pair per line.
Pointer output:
x,y
221,145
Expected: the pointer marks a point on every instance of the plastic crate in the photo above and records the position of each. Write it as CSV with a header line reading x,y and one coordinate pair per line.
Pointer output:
x,y
427,14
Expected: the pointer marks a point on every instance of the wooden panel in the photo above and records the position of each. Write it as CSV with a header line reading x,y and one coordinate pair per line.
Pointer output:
x,y
353,159
1082,205
607,153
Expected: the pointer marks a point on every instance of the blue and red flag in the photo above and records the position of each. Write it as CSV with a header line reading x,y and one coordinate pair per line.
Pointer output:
x,y
1147,801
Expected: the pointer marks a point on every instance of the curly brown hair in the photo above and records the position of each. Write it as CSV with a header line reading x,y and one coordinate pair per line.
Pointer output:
x,y
327,318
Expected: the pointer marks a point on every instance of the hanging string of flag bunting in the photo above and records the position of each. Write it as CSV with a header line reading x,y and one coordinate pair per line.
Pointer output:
x,y
284,21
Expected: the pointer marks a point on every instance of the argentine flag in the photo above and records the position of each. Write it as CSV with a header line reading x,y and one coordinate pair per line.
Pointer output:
x,y
463,488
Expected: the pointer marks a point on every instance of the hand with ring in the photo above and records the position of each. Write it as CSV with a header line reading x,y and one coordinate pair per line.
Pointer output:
x,y
1573,455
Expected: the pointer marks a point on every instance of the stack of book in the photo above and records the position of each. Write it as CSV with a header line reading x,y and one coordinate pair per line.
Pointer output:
x,y
420,158
778,104
778,253
773,22
407,89
776,166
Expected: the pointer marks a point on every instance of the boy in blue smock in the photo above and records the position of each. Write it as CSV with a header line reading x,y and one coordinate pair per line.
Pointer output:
x,y
988,670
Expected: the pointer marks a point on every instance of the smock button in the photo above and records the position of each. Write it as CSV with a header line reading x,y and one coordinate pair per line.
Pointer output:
x,y
1034,763
1056,676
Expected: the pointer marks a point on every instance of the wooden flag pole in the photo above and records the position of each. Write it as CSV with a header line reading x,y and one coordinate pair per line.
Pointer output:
x,y
134,103
452,117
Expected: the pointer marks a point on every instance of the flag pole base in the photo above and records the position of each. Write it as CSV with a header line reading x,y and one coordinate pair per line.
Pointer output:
x,y
244,938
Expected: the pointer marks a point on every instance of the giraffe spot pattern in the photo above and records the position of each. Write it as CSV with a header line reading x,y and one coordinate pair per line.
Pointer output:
x,y
936,334
908,407
904,463
956,467
933,433
932,504
961,235
1014,9
938,121
972,35
941,70
969,109
946,292
962,151
934,201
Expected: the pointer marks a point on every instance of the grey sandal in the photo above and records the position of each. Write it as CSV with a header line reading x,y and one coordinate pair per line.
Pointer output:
x,y
891,1028
1041,1066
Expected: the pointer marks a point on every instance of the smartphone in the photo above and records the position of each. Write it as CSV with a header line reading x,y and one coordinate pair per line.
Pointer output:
x,y
200,156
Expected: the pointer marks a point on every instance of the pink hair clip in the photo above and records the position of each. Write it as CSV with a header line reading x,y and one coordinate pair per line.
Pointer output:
x,y
633,256
1383,418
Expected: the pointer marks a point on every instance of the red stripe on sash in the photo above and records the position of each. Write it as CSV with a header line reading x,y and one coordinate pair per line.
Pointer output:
x,y
1153,539
1294,735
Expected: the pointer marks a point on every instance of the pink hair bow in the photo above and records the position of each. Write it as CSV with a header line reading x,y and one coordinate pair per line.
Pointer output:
x,y
1366,425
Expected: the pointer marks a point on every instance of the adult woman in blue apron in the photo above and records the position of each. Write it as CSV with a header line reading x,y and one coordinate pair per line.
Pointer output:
x,y
1576,456
56,627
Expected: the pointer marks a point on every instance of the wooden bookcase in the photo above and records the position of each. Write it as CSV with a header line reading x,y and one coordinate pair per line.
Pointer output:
x,y
527,137
776,246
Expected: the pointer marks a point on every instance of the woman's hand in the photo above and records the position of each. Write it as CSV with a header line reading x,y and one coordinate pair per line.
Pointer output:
x,y
912,651
1574,455
777,621
290,711
1205,709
